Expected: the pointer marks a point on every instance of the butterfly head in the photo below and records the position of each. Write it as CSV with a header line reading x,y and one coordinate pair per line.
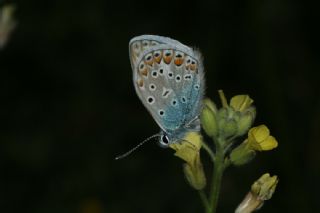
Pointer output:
x,y
165,139
170,137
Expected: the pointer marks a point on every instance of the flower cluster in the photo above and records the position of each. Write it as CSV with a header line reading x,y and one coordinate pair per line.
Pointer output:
x,y
225,126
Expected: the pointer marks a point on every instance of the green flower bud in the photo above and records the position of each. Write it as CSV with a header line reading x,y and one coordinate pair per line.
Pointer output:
x,y
227,122
242,154
261,191
223,113
245,120
208,118
211,105
265,186
228,128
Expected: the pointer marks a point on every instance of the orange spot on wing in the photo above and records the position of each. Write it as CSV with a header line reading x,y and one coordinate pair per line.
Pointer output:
x,y
167,59
144,72
149,59
193,67
140,83
167,56
157,55
178,61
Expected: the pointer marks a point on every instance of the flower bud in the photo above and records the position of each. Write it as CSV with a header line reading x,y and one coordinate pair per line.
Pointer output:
x,y
242,155
245,120
208,118
261,190
210,104
228,127
265,186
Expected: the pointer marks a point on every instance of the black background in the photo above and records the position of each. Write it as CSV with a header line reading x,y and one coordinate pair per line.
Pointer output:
x,y
68,105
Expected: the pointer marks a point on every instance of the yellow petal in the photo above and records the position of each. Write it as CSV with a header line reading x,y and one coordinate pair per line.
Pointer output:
x,y
268,144
241,102
189,150
189,147
259,133
195,174
259,139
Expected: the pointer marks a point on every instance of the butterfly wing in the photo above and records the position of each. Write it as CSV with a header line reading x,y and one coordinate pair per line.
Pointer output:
x,y
139,44
168,78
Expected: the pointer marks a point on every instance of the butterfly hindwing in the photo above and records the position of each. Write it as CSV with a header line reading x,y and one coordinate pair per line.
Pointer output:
x,y
168,78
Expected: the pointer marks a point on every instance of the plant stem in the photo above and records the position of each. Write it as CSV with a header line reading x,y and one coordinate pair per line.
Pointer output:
x,y
204,200
216,177
209,151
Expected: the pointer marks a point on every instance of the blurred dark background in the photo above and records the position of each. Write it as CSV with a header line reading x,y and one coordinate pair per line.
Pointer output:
x,y
68,105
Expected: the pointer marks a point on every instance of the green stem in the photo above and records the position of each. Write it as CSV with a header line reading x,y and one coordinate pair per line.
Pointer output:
x,y
209,151
216,177
204,200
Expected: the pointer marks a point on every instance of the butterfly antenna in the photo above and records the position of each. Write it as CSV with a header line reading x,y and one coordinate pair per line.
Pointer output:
x,y
136,147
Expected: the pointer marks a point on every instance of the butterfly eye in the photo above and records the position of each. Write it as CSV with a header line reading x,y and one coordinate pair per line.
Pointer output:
x,y
164,140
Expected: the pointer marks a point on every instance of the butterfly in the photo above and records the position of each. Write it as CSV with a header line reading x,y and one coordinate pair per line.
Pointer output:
x,y
168,78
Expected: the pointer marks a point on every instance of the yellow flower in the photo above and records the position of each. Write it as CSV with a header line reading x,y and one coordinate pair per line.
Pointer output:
x,y
241,102
259,139
189,151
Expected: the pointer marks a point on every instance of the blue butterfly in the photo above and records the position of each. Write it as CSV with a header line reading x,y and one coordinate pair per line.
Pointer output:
x,y
169,80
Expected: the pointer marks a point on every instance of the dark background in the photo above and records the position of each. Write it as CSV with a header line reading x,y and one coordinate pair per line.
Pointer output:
x,y
68,105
